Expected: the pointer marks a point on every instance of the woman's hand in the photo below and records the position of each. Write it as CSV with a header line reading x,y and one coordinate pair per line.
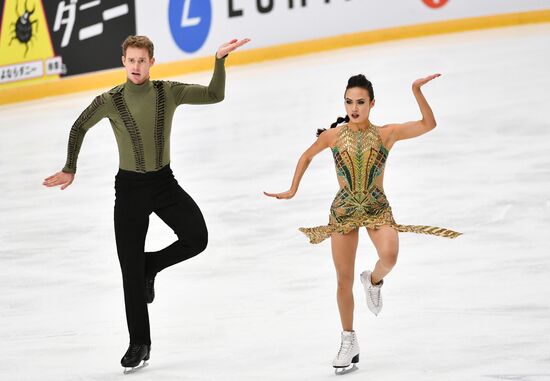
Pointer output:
x,y
422,81
60,178
285,195
228,47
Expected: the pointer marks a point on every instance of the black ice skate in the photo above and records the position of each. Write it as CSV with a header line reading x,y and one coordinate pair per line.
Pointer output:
x,y
150,289
132,360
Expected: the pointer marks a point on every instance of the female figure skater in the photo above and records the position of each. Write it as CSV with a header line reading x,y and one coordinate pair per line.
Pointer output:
x,y
360,150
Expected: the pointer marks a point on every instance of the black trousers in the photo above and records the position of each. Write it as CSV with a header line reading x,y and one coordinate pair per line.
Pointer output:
x,y
137,196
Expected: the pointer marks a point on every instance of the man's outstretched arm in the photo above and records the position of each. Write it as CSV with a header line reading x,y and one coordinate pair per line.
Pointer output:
x,y
89,117
215,91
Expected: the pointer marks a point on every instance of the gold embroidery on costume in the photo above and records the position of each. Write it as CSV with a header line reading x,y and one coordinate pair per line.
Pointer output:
x,y
360,157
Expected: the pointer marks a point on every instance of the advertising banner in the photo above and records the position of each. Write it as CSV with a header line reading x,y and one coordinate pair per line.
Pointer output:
x,y
87,34
26,51
183,29
41,40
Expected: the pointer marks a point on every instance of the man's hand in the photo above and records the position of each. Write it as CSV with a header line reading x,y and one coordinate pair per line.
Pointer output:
x,y
60,178
228,47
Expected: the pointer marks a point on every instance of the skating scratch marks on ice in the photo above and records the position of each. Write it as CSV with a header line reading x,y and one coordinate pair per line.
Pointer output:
x,y
501,215
520,377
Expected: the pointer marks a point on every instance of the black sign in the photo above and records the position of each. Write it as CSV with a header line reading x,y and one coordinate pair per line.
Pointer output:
x,y
87,34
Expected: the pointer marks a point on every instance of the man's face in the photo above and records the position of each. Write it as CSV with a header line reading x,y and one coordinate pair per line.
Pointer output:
x,y
137,63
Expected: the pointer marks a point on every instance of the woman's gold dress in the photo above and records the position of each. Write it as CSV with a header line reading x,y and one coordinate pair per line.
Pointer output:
x,y
360,158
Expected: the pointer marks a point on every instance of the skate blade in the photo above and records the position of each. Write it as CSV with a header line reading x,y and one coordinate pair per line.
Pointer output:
x,y
342,371
144,364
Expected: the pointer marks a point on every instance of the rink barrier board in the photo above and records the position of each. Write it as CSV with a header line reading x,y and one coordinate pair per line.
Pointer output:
x,y
113,77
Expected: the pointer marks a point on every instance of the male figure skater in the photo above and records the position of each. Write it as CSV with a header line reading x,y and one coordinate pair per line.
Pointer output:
x,y
140,112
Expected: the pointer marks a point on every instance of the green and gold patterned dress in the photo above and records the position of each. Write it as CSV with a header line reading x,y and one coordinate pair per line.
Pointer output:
x,y
360,158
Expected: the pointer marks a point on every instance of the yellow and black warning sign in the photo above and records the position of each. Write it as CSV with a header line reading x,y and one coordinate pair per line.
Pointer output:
x,y
26,50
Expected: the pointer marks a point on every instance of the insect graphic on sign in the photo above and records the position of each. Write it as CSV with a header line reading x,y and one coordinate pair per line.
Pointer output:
x,y
22,28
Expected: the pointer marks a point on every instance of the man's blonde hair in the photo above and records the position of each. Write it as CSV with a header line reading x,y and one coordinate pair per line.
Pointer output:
x,y
138,42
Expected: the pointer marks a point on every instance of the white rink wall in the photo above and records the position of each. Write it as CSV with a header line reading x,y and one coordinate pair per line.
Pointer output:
x,y
206,24
186,32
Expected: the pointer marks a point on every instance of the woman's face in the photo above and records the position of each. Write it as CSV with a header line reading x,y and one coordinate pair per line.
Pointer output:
x,y
358,104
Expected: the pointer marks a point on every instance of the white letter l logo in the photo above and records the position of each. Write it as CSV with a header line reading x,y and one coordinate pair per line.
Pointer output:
x,y
185,20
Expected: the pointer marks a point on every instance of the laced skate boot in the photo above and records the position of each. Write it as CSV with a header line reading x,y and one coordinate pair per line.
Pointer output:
x,y
373,292
135,354
150,289
348,353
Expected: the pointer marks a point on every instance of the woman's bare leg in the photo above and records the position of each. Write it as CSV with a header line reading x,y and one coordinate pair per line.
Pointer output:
x,y
344,247
386,242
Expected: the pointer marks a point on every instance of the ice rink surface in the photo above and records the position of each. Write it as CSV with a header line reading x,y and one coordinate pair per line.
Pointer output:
x,y
260,304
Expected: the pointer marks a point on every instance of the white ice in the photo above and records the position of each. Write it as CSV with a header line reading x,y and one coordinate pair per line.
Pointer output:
x,y
259,304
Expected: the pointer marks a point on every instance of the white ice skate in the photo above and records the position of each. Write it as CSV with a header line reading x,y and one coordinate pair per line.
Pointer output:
x,y
348,354
373,292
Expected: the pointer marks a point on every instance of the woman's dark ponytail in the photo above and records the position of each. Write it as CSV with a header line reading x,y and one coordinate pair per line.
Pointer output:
x,y
338,121
360,81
